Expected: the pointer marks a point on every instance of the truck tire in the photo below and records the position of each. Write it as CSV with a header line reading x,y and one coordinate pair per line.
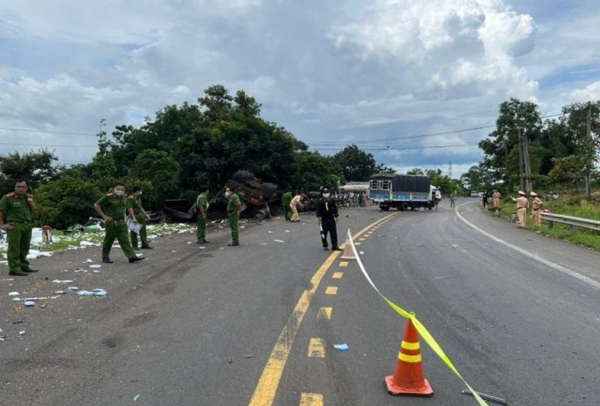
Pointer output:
x,y
384,208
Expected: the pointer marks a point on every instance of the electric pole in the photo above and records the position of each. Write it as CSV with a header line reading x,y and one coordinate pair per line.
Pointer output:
x,y
588,191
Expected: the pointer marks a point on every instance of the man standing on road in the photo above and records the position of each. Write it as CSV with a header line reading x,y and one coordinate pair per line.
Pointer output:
x,y
536,210
496,198
202,205
327,214
286,199
233,215
138,215
453,199
111,208
522,204
294,207
16,209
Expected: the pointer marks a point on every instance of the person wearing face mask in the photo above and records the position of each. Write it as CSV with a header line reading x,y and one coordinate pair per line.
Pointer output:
x,y
111,208
138,215
327,214
233,215
16,209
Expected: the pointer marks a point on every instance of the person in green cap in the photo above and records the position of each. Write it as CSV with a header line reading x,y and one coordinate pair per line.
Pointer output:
x,y
202,205
233,215
16,209
286,199
111,208
138,215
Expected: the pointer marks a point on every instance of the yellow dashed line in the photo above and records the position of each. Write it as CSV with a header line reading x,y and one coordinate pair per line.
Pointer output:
x,y
316,348
331,290
344,264
311,399
325,313
337,275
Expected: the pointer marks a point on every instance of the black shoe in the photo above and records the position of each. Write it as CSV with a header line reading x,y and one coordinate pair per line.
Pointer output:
x,y
29,270
136,259
18,273
107,261
148,248
205,242
325,249
336,249
233,244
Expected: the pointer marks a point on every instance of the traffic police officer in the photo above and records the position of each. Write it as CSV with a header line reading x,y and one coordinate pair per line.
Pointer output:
x,y
111,208
536,210
496,198
233,215
327,214
202,205
522,204
16,209
138,215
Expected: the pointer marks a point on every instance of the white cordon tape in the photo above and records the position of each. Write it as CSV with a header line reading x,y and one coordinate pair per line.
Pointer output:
x,y
420,327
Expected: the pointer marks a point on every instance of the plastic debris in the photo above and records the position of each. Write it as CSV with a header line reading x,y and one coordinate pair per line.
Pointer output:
x,y
341,347
14,294
60,292
249,356
278,240
88,261
62,281
29,303
1,331
95,266
72,288
136,397
21,332
95,292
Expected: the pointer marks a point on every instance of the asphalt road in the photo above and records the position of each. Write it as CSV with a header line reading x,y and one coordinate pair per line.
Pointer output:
x,y
517,313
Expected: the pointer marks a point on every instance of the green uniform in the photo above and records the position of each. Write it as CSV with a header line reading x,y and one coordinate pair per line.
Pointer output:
x,y
114,207
233,216
201,231
286,199
18,213
135,203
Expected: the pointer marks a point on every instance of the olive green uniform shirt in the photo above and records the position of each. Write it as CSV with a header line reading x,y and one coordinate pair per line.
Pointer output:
x,y
201,202
135,203
233,204
15,208
113,206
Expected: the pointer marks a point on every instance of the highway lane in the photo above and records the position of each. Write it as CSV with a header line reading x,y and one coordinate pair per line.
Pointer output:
x,y
198,327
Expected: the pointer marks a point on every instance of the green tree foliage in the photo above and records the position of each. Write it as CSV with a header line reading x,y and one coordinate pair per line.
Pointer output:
x,y
478,178
382,168
161,170
502,143
35,167
311,171
356,164
66,201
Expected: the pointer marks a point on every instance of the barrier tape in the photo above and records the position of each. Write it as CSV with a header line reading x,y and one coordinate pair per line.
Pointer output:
x,y
420,327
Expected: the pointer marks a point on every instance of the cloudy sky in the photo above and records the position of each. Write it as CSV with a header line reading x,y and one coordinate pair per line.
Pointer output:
x,y
387,75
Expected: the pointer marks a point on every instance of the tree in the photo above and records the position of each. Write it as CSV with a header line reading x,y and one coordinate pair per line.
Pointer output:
x,y
66,201
35,167
357,165
382,168
477,178
516,117
161,169
312,171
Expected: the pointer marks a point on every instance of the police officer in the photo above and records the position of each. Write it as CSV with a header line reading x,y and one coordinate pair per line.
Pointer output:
x,y
111,208
202,205
327,214
536,210
522,204
138,215
496,198
16,209
233,215
286,199
294,207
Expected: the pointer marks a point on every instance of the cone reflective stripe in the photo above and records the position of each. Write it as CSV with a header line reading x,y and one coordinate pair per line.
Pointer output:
x,y
348,253
408,378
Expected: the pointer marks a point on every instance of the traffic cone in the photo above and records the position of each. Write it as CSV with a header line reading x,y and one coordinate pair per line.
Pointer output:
x,y
348,253
408,378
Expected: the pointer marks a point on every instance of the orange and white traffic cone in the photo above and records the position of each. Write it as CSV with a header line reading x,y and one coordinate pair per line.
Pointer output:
x,y
348,253
408,378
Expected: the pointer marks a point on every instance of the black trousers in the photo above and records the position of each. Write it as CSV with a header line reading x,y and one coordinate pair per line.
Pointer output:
x,y
329,226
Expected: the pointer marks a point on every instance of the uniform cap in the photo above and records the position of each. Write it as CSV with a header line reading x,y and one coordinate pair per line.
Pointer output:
x,y
325,190
533,194
522,193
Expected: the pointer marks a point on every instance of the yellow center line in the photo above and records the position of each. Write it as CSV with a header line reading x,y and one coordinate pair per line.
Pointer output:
x,y
316,348
331,290
311,399
266,389
337,275
325,313
344,264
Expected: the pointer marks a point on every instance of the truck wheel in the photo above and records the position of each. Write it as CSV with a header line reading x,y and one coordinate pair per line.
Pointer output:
x,y
384,208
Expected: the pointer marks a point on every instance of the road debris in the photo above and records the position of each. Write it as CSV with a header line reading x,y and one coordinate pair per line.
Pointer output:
x,y
341,347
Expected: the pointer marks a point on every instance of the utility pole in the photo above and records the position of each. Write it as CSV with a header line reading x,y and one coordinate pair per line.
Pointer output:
x,y
521,164
526,163
588,189
450,170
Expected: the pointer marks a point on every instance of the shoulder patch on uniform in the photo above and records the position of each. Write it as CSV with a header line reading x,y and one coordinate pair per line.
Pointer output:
x,y
110,194
11,194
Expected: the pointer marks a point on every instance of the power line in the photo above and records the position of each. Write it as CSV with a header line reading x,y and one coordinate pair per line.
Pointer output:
x,y
50,145
44,132
466,144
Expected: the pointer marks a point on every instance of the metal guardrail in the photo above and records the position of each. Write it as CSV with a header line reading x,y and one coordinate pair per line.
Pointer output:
x,y
574,222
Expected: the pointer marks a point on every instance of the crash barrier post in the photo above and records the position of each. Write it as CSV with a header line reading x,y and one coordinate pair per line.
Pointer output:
x,y
425,334
408,377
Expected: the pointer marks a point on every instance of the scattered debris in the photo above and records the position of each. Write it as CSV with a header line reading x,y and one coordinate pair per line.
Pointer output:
x,y
14,294
136,397
88,261
95,292
249,356
278,240
62,281
341,347
29,303
483,396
